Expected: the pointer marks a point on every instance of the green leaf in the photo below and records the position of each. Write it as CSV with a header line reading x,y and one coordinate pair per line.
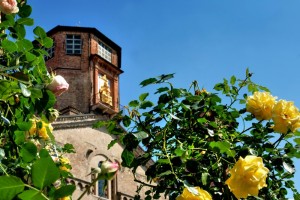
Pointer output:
x,y
297,140
162,89
288,168
9,20
47,42
10,186
146,104
20,31
126,121
64,191
25,11
19,137
141,135
219,86
201,120
179,151
30,57
127,157
44,172
134,103
164,173
148,82
163,161
296,196
49,100
40,32
2,154
204,178
165,77
68,148
25,21
24,44
232,80
143,96
28,152
44,153
24,126
174,117
9,46
112,143
32,195
224,147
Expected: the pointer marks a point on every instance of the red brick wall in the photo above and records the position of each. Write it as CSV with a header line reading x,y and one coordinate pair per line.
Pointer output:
x,y
75,69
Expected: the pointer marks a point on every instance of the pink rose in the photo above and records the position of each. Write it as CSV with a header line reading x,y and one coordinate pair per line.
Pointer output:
x,y
58,85
9,6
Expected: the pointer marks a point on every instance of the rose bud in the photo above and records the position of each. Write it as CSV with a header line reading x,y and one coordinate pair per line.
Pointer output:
x,y
109,169
58,85
9,6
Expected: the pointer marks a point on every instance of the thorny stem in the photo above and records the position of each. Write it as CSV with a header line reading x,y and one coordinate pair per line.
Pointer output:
x,y
245,130
4,74
146,184
7,68
2,168
242,85
279,140
168,157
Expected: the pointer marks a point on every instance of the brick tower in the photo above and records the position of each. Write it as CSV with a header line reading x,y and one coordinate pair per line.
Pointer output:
x,y
91,63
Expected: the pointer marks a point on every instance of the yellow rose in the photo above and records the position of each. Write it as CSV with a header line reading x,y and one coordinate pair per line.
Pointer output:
x,y
286,117
42,132
65,198
247,177
260,104
64,161
32,130
187,195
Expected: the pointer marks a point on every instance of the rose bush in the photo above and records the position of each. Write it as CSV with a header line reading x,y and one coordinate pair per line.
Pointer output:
x,y
32,165
28,158
235,142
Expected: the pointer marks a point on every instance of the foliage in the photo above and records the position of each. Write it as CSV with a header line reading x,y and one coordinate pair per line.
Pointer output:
x,y
30,160
196,137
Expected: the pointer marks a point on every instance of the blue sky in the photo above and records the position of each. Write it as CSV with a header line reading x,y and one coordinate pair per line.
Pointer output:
x,y
195,39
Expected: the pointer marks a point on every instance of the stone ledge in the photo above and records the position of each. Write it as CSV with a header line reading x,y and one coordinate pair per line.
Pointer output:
x,y
77,121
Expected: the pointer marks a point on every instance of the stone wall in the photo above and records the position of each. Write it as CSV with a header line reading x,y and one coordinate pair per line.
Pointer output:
x,y
91,147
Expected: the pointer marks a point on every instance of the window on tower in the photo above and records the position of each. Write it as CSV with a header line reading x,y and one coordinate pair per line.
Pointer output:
x,y
50,52
73,44
104,51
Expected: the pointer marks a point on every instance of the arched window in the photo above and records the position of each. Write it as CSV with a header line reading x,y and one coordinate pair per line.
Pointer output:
x,y
102,186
